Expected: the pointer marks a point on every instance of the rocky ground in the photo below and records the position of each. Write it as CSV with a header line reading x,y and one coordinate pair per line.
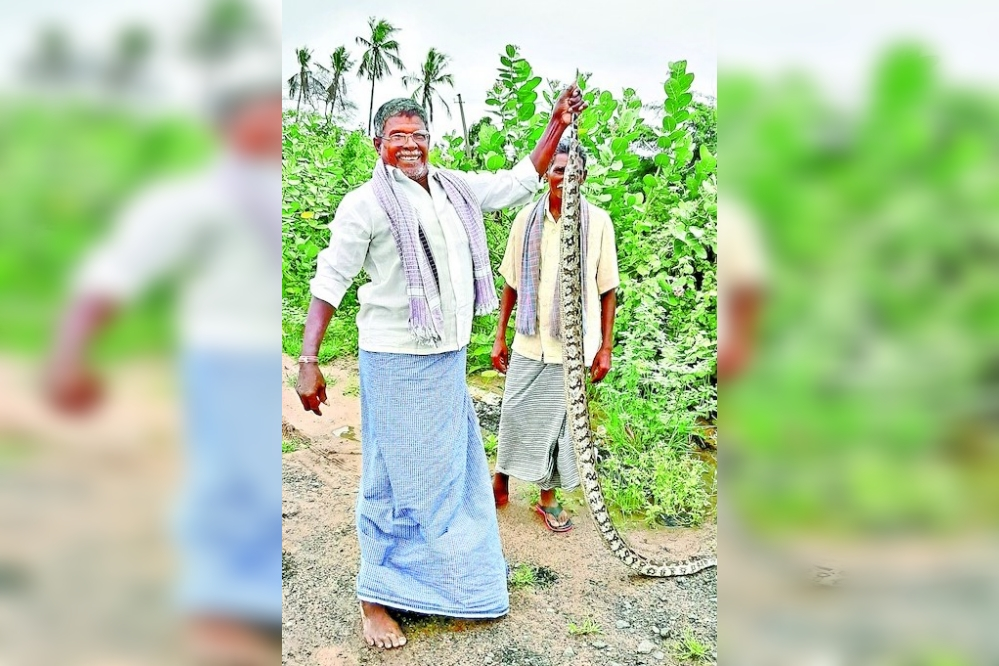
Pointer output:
x,y
571,601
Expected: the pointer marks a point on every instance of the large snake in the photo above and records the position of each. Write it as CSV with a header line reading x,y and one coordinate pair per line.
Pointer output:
x,y
577,408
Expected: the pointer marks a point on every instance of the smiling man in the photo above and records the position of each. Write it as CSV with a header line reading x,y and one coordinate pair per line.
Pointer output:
x,y
534,443
425,518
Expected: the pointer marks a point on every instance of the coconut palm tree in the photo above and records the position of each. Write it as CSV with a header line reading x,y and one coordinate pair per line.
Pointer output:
x,y
381,52
336,88
428,79
304,83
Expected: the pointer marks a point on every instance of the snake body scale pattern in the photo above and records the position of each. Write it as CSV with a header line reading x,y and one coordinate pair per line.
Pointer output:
x,y
577,408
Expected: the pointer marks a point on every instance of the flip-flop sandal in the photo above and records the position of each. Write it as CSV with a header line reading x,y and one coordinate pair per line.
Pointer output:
x,y
549,513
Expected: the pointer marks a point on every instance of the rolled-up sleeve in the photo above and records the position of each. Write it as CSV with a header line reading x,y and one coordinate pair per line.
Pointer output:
x,y
339,264
505,188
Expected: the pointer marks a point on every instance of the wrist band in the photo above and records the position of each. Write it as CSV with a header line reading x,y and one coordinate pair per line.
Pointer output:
x,y
308,359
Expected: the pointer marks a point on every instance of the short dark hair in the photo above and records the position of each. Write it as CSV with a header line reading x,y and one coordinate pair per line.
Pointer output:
x,y
400,106
563,149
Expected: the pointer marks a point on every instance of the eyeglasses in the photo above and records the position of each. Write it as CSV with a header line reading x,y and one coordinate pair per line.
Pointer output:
x,y
401,138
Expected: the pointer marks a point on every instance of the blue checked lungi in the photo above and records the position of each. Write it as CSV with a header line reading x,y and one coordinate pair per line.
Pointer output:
x,y
426,519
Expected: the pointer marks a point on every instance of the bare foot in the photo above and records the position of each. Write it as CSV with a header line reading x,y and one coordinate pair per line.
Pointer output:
x,y
501,489
379,628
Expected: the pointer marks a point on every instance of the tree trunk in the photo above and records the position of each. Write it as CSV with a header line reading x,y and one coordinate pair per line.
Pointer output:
x,y
298,112
464,128
371,107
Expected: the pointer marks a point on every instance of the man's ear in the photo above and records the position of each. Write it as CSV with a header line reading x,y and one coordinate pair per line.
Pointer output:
x,y
377,141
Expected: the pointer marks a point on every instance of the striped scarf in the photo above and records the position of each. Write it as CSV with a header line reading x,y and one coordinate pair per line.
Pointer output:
x,y
426,320
530,273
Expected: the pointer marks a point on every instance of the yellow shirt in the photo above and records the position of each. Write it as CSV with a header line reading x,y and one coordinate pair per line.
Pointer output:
x,y
600,273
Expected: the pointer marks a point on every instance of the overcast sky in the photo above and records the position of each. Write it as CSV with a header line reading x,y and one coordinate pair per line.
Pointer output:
x,y
624,43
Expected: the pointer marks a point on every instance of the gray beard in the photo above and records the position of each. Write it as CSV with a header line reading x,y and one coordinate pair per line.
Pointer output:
x,y
416,173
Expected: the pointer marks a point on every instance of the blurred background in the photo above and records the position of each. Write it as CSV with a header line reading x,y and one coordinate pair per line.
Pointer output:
x,y
858,350
858,287
121,125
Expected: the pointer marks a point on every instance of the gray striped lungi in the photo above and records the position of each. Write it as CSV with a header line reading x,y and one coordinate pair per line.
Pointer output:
x,y
534,443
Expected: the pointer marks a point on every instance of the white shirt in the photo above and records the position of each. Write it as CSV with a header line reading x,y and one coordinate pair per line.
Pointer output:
x,y
212,231
360,237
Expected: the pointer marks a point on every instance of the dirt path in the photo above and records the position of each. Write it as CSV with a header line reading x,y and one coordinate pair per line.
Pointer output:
x,y
576,582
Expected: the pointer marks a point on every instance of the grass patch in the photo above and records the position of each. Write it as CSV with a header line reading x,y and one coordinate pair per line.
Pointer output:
x,y
292,439
661,485
586,628
525,575
490,442
352,389
689,648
